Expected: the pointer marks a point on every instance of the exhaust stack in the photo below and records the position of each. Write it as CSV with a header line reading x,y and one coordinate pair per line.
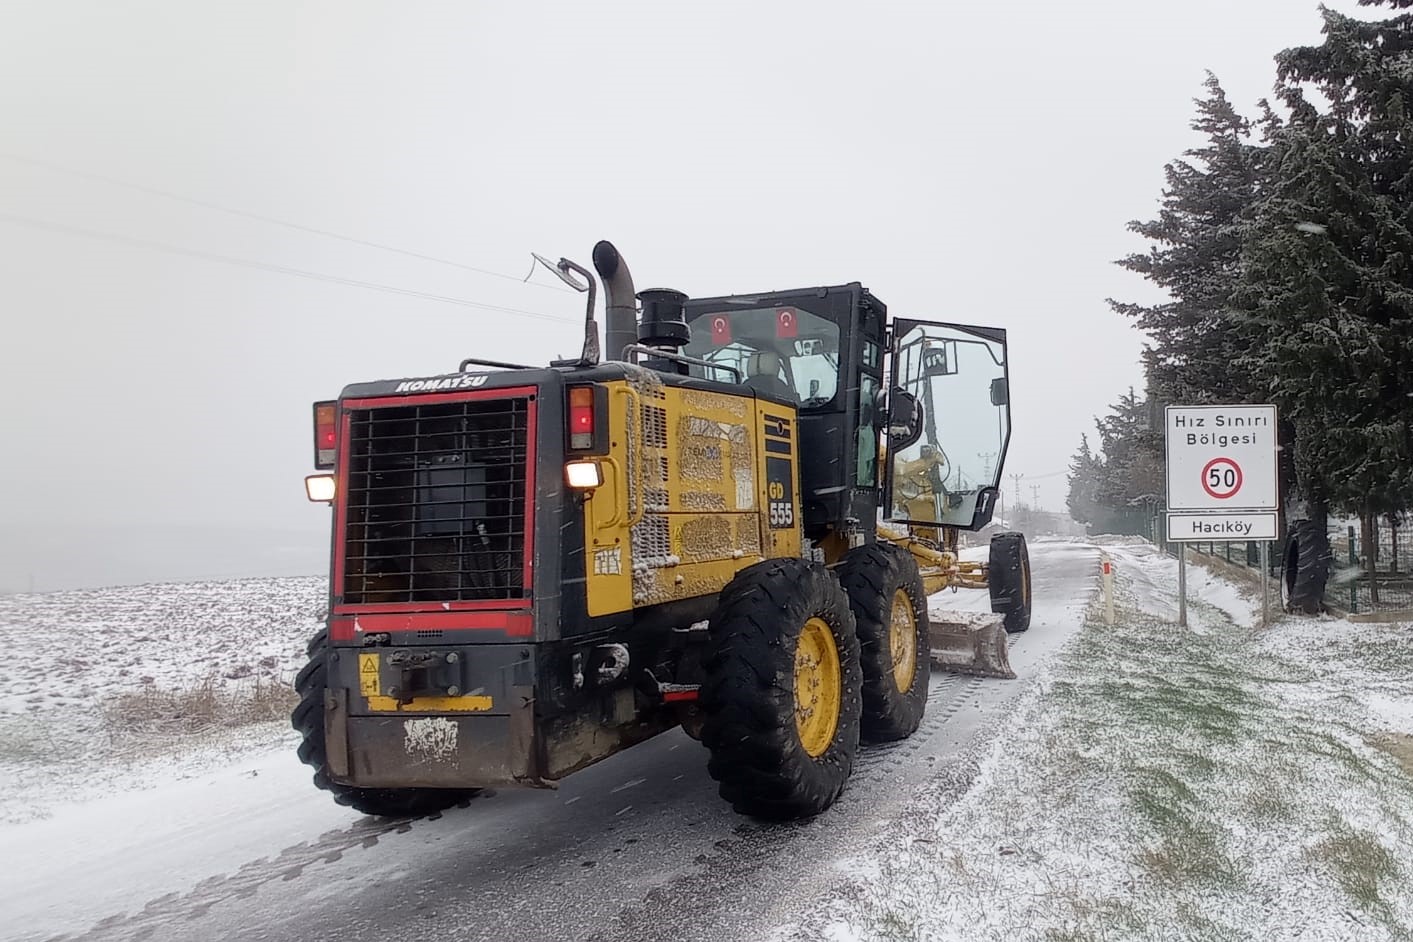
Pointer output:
x,y
620,302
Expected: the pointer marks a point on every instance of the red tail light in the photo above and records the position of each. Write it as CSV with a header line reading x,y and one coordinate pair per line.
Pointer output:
x,y
581,417
325,433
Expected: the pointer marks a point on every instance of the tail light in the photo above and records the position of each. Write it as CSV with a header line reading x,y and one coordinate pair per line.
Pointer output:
x,y
588,419
325,434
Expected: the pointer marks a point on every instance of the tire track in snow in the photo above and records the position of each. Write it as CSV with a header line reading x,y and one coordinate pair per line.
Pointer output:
x,y
289,864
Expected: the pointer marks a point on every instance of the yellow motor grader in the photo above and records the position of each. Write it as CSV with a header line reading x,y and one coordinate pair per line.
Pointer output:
x,y
732,525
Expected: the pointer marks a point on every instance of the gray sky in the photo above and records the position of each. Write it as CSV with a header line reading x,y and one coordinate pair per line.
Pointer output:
x,y
973,162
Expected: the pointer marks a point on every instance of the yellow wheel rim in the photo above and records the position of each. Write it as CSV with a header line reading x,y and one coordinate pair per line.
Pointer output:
x,y
1025,582
902,641
818,687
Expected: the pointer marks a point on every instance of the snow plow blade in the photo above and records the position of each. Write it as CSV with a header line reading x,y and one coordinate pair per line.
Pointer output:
x,y
971,644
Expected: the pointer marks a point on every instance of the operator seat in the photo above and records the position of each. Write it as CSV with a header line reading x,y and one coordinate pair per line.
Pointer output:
x,y
763,375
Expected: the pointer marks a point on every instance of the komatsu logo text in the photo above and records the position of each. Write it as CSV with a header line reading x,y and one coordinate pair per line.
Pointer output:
x,y
434,384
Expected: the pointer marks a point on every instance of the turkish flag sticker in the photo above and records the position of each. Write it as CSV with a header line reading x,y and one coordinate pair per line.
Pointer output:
x,y
787,323
720,330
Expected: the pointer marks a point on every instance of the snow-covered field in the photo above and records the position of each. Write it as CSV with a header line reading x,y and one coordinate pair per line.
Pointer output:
x,y
1215,783
1154,783
121,688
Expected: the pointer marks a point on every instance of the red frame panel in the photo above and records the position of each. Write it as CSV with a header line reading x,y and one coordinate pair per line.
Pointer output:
x,y
437,613
519,624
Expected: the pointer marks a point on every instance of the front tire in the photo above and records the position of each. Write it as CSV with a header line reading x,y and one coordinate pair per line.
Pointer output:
x,y
1306,568
781,698
308,719
1008,577
889,603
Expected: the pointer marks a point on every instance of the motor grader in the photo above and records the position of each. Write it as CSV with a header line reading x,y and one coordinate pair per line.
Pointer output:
x,y
732,525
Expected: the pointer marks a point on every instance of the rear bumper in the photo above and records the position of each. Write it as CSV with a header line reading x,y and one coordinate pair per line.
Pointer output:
x,y
474,715
434,751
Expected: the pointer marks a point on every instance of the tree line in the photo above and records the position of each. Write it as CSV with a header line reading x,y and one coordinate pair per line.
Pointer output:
x,y
1284,244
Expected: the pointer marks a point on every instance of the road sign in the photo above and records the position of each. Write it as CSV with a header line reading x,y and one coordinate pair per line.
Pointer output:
x,y
1222,459
1201,527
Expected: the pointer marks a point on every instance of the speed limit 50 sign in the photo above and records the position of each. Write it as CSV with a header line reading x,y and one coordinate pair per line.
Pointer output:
x,y
1221,459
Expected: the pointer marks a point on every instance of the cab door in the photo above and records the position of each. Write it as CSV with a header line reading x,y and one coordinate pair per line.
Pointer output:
x,y
944,465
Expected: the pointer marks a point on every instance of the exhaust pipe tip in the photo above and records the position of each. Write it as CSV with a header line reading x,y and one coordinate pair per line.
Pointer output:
x,y
620,302
606,259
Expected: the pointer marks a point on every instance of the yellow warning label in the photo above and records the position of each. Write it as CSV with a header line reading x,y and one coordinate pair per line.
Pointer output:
x,y
474,703
368,675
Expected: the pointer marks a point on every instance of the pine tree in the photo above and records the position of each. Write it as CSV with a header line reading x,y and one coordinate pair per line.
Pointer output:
x,y
1085,471
1121,437
1328,266
1129,479
1195,259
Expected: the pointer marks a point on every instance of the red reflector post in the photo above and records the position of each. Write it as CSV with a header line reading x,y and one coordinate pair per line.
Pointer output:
x,y
581,417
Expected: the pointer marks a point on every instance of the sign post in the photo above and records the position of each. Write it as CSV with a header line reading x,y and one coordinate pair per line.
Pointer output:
x,y
1182,585
1222,483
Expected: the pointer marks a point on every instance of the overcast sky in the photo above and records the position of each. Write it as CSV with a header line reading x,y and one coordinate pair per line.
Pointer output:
x,y
974,162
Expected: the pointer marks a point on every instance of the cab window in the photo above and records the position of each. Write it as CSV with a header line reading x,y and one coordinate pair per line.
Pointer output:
x,y
783,351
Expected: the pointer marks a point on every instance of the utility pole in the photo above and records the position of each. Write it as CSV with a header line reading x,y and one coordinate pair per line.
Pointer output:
x,y
986,456
1035,496
1016,479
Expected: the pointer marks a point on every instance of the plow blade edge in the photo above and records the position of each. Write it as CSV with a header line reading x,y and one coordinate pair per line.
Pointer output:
x,y
971,644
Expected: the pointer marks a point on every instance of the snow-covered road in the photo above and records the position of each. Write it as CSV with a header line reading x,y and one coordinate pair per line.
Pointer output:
x,y
636,847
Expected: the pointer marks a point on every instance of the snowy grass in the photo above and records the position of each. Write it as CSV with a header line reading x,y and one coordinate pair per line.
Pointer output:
x,y
1212,783
110,689
198,708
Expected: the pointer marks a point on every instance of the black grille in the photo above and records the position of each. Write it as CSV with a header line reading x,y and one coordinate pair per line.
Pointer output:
x,y
436,502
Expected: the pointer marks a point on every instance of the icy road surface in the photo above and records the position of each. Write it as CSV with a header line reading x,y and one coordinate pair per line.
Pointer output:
x,y
637,847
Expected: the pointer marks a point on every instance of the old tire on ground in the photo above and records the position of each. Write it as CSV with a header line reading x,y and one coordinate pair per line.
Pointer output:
x,y
308,719
1305,568
1008,577
889,604
781,697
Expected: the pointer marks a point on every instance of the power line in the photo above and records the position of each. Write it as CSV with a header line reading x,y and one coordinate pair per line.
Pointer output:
x,y
265,266
207,204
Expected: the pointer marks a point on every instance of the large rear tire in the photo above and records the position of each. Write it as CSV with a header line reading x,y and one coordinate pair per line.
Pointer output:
x,y
889,603
1008,577
781,697
308,719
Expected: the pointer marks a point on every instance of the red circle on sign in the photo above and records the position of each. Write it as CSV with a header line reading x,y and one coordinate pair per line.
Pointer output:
x,y
1221,478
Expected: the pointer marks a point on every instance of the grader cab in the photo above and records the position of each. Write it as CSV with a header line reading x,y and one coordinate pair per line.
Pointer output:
x,y
733,526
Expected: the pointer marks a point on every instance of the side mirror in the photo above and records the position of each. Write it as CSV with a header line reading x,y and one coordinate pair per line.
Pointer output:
x,y
1000,394
904,419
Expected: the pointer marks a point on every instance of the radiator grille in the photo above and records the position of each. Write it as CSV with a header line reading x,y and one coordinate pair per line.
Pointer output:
x,y
435,502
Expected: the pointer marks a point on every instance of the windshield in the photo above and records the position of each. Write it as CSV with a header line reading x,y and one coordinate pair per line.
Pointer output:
x,y
783,351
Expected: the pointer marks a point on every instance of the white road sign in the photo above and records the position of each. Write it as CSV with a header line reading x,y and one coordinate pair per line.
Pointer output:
x,y
1221,527
1222,459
